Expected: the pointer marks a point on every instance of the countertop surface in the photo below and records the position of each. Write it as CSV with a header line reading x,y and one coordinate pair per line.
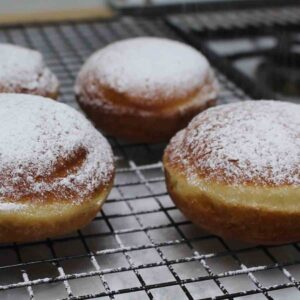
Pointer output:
x,y
15,11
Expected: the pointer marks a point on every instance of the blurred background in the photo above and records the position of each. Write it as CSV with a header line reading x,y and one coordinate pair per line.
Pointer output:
x,y
256,43
31,10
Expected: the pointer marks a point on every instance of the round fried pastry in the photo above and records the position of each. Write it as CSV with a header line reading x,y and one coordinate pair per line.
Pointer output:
x,y
56,169
24,71
145,89
235,171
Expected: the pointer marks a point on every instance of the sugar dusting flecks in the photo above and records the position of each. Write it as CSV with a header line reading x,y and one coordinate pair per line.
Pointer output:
x,y
35,134
252,141
24,69
146,66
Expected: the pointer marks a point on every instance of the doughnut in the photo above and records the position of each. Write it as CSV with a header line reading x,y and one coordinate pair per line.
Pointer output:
x,y
56,169
24,71
145,89
235,171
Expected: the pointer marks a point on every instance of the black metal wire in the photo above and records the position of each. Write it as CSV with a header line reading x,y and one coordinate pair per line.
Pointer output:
x,y
138,217
238,20
201,28
155,8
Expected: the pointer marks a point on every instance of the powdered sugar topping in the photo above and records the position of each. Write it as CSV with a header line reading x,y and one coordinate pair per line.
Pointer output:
x,y
24,69
147,66
36,133
252,141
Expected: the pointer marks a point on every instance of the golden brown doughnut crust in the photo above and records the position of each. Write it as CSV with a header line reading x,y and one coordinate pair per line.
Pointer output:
x,y
149,128
24,71
19,90
56,169
151,112
235,171
238,222
53,218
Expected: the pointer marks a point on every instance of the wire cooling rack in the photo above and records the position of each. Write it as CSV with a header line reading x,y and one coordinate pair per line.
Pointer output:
x,y
235,20
139,246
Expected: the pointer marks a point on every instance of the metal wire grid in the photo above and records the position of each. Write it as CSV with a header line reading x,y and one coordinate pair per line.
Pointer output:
x,y
139,246
235,27
254,18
